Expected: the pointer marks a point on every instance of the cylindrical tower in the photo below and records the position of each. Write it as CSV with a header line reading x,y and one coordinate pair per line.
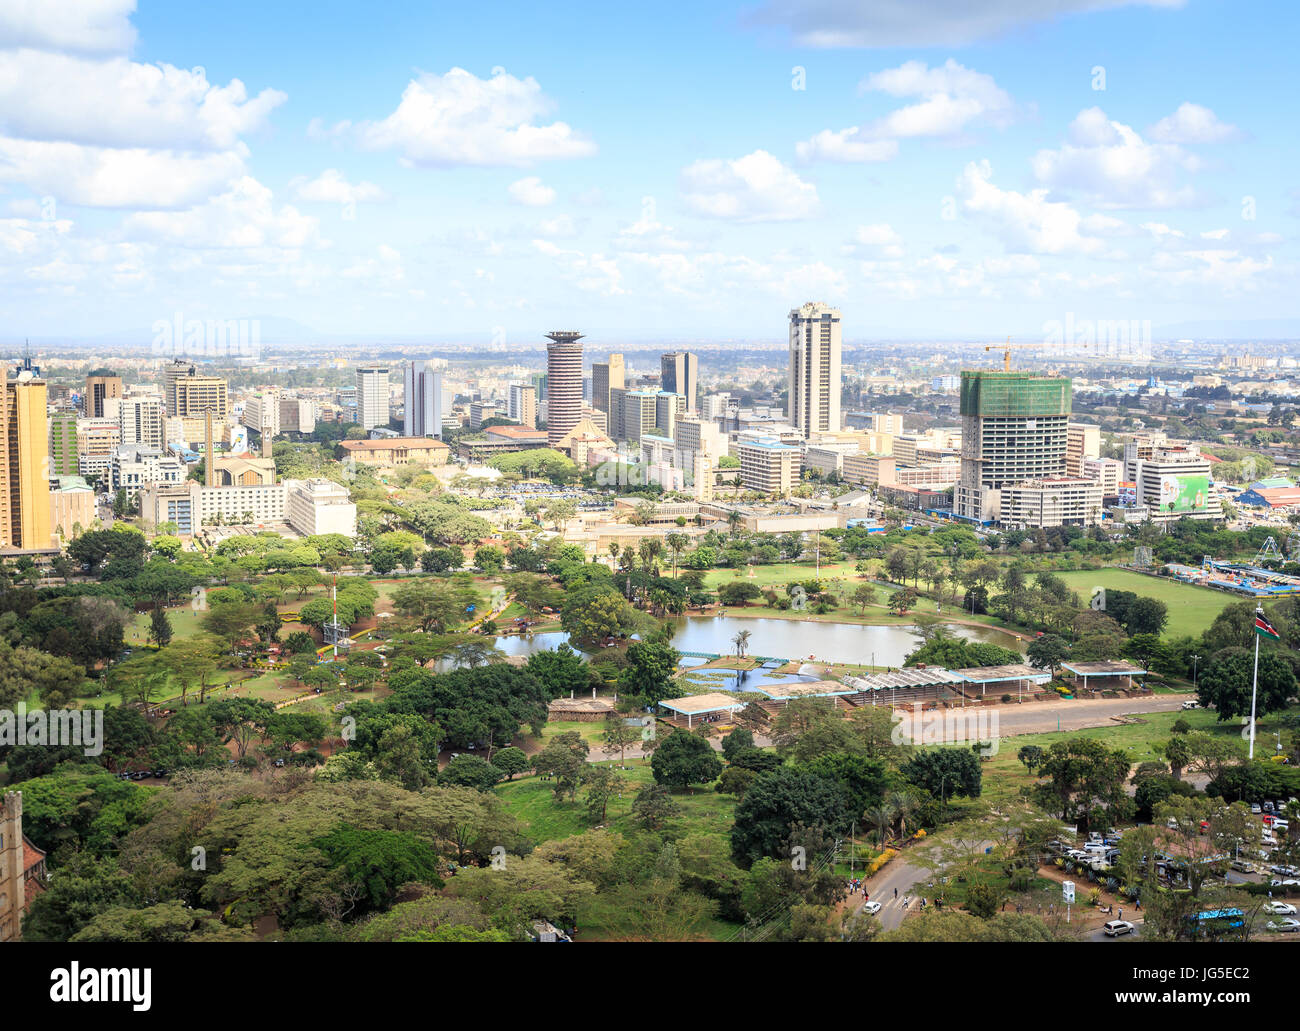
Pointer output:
x,y
563,384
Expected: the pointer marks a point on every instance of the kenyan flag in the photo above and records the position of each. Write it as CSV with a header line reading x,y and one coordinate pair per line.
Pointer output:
x,y
1265,629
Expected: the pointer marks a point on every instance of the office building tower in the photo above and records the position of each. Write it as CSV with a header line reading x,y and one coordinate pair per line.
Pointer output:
x,y
24,465
190,394
680,374
100,384
814,405
606,376
668,408
372,396
523,404
1082,441
63,444
422,414
140,418
1175,482
768,466
563,383
1013,427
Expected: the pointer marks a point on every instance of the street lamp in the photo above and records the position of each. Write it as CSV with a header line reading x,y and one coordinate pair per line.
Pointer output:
x,y
1195,659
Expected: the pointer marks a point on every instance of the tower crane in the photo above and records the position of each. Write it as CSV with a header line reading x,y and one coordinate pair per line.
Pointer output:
x,y
1007,348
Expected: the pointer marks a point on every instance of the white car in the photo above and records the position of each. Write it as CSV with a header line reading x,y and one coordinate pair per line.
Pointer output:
x,y
1191,705
871,907
1285,882
1255,808
1289,924
1279,908
1114,928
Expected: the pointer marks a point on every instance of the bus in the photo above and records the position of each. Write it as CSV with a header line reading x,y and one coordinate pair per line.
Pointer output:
x,y
1213,923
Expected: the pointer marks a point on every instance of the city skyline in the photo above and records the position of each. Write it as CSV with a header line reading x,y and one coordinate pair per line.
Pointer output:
x,y
968,176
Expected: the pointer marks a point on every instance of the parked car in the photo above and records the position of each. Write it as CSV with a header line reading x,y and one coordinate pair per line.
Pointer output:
x,y
1286,925
1279,908
1242,866
1192,704
1256,808
1114,928
1284,882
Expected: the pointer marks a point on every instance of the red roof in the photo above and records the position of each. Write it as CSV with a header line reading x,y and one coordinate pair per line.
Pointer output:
x,y
392,444
516,432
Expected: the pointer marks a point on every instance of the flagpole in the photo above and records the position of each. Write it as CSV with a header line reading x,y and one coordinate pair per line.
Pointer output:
x,y
1254,687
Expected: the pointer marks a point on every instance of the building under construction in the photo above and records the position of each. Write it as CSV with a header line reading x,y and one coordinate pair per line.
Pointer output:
x,y
1014,430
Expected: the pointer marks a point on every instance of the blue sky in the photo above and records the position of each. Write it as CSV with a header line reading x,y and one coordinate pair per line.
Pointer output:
x,y
487,172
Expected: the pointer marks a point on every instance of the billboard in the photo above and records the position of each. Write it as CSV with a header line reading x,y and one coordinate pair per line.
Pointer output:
x,y
1128,494
1184,493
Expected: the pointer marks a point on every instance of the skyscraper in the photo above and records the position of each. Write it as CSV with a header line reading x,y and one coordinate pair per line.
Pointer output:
x,y
372,396
100,384
523,404
606,376
680,374
563,384
423,407
63,444
814,404
140,419
1013,430
25,514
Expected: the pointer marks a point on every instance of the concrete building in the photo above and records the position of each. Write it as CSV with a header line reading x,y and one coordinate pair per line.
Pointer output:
x,y
22,868
1082,441
140,419
680,374
97,439
768,466
1139,449
98,388
669,407
63,443
815,368
606,376
480,412
72,505
563,383
632,413
1175,483
372,396
297,414
422,393
396,451
700,436
523,404
1058,501
319,506
1013,430
24,465
870,470
134,466
262,413
1106,473
192,394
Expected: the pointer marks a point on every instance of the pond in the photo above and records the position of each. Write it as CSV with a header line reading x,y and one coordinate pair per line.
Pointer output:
x,y
785,639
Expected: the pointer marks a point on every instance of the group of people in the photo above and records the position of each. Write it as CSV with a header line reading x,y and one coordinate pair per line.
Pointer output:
x,y
856,884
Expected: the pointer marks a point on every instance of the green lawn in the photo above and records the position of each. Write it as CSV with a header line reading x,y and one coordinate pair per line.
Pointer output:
x,y
1191,609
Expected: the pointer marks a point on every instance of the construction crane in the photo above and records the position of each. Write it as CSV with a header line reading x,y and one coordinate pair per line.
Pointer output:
x,y
1008,346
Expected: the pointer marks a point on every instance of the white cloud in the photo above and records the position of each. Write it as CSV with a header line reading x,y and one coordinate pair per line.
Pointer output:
x,y
243,217
916,23
119,103
460,119
754,188
80,26
1115,168
1025,221
117,177
1192,123
952,97
847,145
594,273
880,238
560,227
531,192
332,187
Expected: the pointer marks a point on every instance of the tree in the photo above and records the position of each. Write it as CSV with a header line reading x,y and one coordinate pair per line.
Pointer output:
x,y
778,800
1146,616
654,806
735,741
619,733
511,762
741,641
683,759
594,614
603,783
651,666
1225,682
470,771
902,600
561,671
945,772
738,592
1048,652
437,606
564,760
1082,775
864,595
160,627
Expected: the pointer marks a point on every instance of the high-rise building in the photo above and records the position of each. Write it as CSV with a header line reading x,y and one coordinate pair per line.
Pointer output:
x,y
63,444
523,404
563,383
24,464
372,396
140,419
191,394
768,466
1013,429
422,414
1082,441
99,385
1175,482
680,374
606,376
814,405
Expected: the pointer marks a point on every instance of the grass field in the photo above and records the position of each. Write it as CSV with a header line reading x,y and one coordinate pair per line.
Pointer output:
x,y
1191,609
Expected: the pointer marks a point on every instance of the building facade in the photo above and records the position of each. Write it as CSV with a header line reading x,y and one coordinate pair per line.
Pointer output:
x,y
606,376
815,368
372,396
422,390
680,374
563,383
